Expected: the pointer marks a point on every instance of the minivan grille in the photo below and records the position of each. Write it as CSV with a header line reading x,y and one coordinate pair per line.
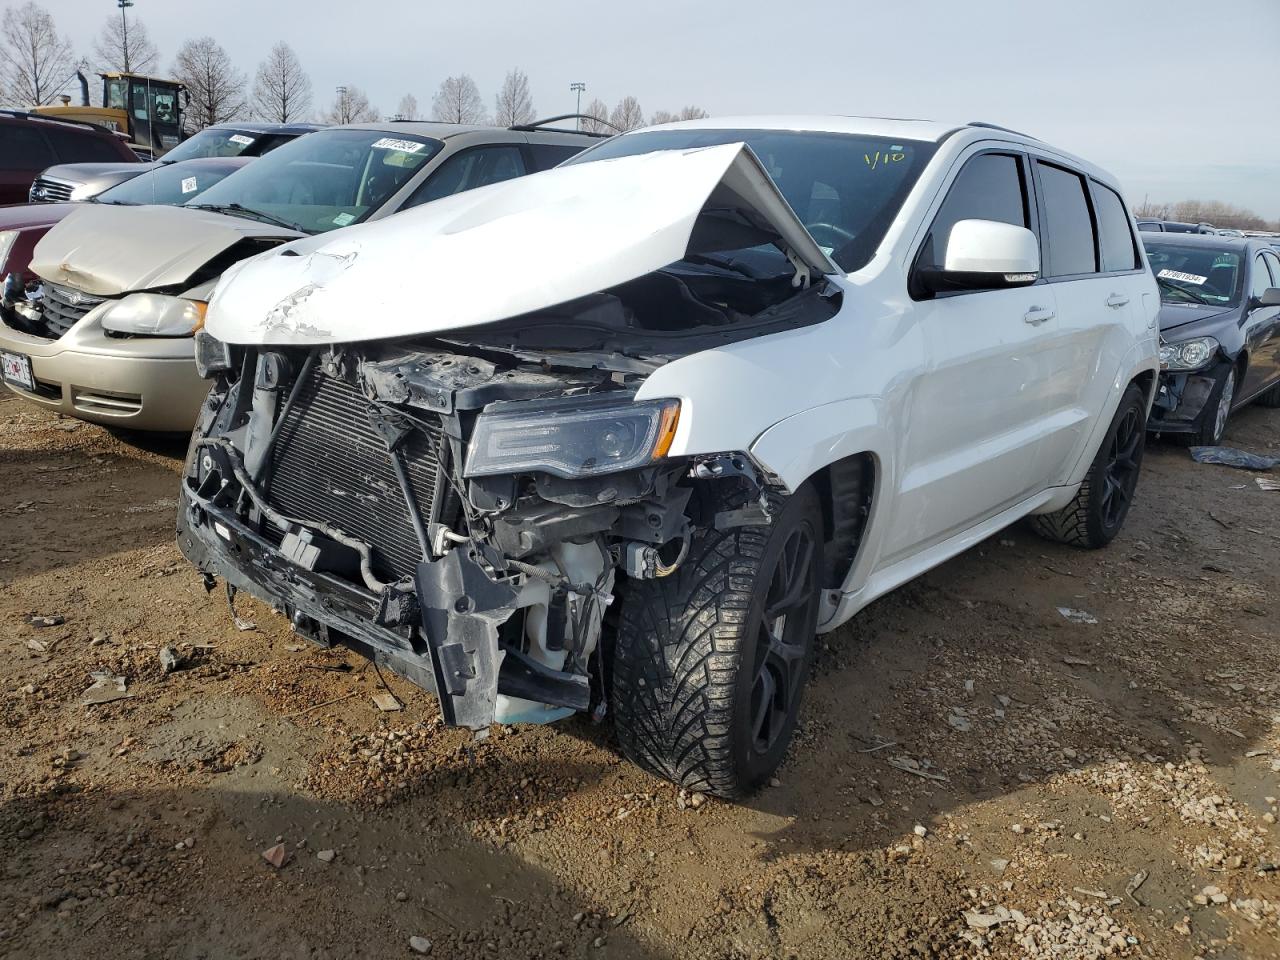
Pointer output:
x,y
48,190
330,465
63,308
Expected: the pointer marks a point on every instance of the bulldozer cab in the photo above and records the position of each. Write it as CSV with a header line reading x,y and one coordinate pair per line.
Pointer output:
x,y
152,108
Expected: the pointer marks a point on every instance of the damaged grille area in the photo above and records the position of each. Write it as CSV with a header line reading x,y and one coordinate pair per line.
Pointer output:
x,y
330,465
63,308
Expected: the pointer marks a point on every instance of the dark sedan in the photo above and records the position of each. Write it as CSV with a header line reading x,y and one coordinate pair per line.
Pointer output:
x,y
1219,329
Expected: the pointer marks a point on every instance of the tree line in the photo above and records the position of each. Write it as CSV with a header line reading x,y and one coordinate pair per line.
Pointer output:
x,y
1206,211
38,64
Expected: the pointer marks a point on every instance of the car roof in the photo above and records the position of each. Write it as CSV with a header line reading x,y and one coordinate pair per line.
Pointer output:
x,y
84,126
1212,241
255,127
445,131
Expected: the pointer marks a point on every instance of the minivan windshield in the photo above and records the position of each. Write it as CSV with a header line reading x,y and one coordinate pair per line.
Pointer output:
x,y
845,188
324,180
1195,274
211,142
171,185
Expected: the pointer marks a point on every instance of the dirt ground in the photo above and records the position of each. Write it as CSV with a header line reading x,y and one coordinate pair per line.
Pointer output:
x,y
976,774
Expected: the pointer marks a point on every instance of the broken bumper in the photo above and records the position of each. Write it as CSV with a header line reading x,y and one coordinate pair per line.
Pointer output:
x,y
461,660
140,384
1181,399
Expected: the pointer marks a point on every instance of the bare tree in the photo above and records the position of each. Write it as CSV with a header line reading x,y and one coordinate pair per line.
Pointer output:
x,y
599,110
408,108
282,89
693,113
458,101
662,116
123,46
351,106
216,87
627,115
513,104
35,60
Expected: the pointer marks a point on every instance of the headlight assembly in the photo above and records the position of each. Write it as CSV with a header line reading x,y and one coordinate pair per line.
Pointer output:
x,y
572,437
212,356
1188,354
154,315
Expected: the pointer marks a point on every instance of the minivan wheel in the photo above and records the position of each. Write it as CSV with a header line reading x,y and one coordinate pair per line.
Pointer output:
x,y
711,661
1098,510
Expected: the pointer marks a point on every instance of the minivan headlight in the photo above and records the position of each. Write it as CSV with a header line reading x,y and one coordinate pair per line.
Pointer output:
x,y
154,315
571,437
1188,354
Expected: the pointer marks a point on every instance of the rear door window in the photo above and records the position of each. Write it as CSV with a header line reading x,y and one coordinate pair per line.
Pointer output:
x,y
1071,246
469,169
76,147
1119,251
24,148
991,186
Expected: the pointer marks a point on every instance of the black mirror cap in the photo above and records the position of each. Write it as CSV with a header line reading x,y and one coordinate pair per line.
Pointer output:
x,y
934,280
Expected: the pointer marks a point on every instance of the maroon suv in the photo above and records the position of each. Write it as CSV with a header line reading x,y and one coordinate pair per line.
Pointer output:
x,y
29,143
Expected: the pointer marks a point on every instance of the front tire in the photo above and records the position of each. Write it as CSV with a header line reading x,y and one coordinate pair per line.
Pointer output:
x,y
1212,425
711,662
1097,512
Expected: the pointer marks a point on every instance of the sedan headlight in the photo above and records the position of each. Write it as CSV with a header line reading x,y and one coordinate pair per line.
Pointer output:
x,y
572,437
154,315
1188,354
7,238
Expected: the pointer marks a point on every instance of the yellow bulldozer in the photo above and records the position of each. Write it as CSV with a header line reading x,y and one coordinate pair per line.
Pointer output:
x,y
147,110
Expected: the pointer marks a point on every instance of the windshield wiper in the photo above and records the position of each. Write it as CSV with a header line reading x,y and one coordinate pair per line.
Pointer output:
x,y
243,211
1190,294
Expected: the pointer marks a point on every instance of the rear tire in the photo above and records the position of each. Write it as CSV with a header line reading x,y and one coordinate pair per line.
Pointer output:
x,y
711,662
1097,512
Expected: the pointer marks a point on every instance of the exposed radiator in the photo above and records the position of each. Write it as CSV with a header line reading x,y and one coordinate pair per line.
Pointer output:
x,y
329,464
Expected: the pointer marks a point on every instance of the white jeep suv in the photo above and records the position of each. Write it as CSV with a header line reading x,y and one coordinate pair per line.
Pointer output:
x,y
622,436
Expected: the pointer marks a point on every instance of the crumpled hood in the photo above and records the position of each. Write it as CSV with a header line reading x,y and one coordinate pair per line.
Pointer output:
x,y
500,251
109,250
1175,315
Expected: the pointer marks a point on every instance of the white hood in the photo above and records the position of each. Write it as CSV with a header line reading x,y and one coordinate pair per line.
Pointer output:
x,y
499,251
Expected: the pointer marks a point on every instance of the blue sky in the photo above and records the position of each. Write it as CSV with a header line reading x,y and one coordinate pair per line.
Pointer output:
x,y
1178,98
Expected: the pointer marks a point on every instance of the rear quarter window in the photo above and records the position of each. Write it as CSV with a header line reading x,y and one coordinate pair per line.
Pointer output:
x,y
548,155
1119,249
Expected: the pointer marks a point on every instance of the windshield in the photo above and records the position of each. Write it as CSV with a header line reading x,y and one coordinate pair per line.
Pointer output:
x,y
169,185
846,189
328,179
1195,274
211,143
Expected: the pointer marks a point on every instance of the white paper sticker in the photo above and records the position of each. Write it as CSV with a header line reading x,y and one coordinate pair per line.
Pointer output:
x,y
189,185
241,139
343,219
1184,277
404,146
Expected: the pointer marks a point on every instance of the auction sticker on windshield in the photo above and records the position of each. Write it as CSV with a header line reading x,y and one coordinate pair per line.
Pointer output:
x,y
17,370
404,146
189,185
241,139
1179,275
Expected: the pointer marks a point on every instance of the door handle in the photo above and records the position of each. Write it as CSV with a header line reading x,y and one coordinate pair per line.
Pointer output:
x,y
1117,300
1037,315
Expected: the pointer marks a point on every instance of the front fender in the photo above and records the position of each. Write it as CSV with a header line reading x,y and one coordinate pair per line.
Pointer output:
x,y
796,448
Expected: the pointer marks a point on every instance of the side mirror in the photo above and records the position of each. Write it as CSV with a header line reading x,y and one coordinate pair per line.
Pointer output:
x,y
986,255
1270,298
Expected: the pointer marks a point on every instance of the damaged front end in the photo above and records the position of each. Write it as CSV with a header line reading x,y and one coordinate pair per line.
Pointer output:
x,y
460,518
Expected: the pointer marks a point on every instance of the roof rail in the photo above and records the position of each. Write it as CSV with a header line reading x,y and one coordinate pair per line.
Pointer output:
x,y
996,126
538,124
54,118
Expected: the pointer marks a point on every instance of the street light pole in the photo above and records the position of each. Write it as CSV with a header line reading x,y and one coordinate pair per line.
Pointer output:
x,y
124,30
578,88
